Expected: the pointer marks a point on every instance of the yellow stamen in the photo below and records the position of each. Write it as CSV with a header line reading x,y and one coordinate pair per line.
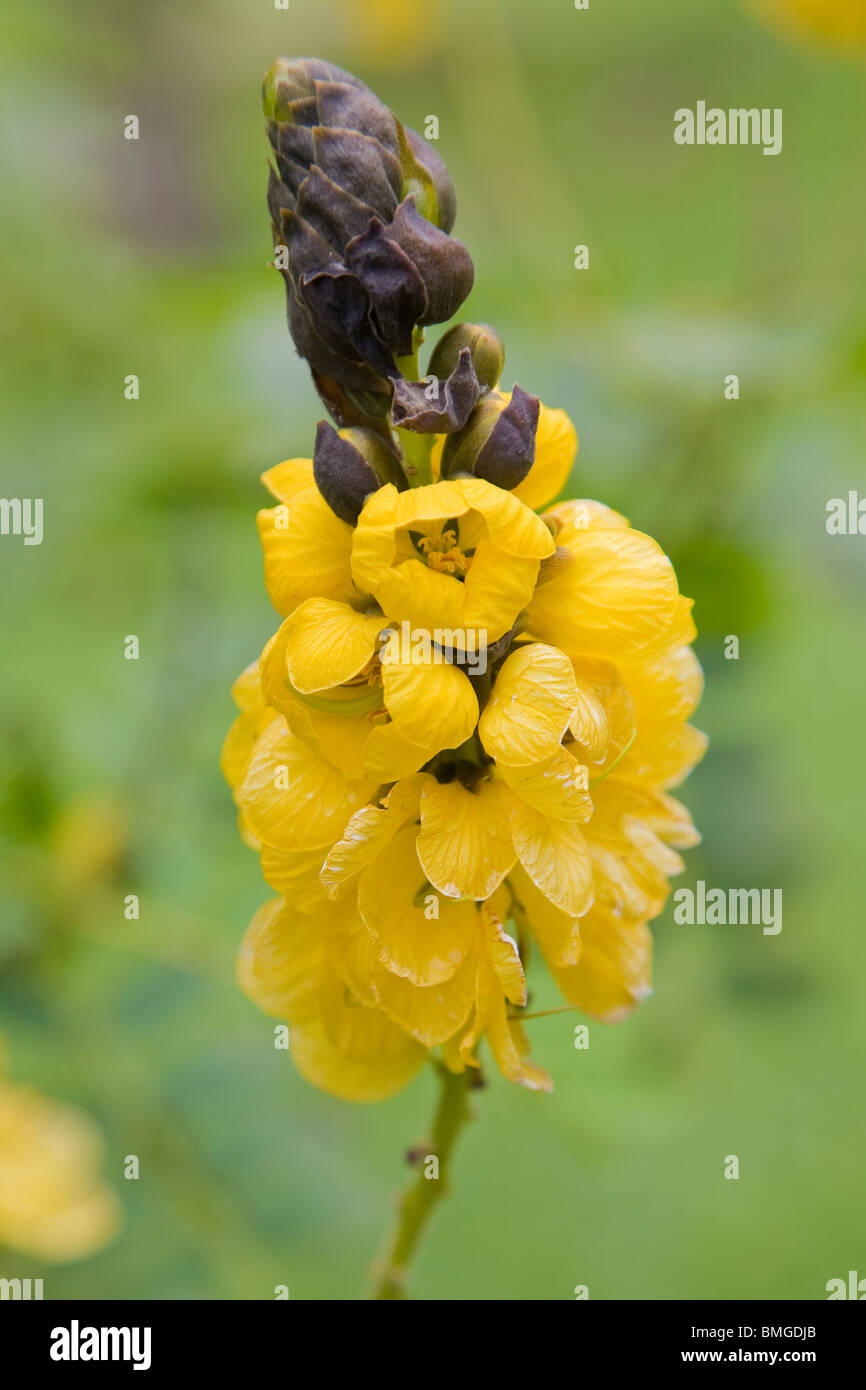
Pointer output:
x,y
444,554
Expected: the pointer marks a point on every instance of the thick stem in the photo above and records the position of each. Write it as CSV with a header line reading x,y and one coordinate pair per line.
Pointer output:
x,y
416,448
391,1270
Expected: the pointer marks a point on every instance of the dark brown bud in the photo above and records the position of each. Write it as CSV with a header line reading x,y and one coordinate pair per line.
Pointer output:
x,y
361,208
437,407
349,466
498,441
485,346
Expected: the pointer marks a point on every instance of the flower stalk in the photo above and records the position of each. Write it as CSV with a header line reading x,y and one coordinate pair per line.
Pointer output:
x,y
416,1206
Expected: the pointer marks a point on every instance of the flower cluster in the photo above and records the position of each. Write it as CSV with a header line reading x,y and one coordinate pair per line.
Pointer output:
x,y
425,821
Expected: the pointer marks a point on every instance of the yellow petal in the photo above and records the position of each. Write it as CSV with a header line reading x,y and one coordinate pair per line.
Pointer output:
x,y
432,1013
289,480
556,787
530,706
555,452
291,798
418,935
295,876
498,587
367,833
464,844
604,722
615,595
615,970
502,953
431,705
509,1045
427,599
571,518
555,855
307,548
337,1043
512,526
389,755
329,643
557,932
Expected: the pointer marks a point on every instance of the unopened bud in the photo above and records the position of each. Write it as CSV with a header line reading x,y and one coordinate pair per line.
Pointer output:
x,y
361,208
498,441
486,349
350,465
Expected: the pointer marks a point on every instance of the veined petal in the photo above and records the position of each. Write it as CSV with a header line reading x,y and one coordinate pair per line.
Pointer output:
x,y
555,855
291,798
512,526
510,1047
352,1051
604,721
389,755
502,949
532,701
295,875
574,516
616,594
614,971
370,830
329,643
338,737
557,932
506,1038
367,832
464,844
307,548
497,588
288,480
373,540
418,935
430,1013
378,1059
423,597
557,787
555,452
431,704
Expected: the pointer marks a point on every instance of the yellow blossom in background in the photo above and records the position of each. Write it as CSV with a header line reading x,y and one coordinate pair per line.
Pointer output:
x,y
54,1203
390,33
837,23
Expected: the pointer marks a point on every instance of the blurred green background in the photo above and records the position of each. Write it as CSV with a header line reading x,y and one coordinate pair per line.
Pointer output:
x,y
151,258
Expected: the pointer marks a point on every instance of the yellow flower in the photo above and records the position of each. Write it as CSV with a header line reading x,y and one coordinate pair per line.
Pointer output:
x,y
422,820
54,1204
459,554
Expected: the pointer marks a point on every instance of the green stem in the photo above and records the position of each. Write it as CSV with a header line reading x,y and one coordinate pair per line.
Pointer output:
x,y
416,448
391,1270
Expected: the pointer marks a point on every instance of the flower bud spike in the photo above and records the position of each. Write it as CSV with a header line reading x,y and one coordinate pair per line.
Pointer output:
x,y
363,207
